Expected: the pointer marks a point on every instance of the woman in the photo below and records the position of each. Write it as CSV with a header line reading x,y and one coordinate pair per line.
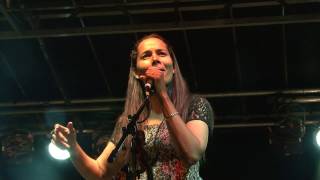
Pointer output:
x,y
173,129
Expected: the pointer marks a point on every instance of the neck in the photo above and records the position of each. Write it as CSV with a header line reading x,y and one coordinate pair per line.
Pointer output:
x,y
156,106
155,115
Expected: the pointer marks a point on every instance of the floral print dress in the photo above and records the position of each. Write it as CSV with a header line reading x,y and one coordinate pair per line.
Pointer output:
x,y
159,154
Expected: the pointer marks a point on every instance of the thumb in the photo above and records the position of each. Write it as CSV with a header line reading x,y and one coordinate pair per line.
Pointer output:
x,y
71,128
143,78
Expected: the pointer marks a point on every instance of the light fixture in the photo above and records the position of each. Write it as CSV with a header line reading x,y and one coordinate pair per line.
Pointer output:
x,y
17,146
58,153
100,141
317,137
287,136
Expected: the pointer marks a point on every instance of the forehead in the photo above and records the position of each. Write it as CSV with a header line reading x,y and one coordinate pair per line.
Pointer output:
x,y
151,43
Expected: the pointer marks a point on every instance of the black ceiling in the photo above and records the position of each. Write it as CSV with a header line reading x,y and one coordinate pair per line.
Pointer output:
x,y
78,50
69,60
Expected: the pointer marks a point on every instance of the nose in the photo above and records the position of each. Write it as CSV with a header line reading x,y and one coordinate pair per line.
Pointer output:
x,y
155,62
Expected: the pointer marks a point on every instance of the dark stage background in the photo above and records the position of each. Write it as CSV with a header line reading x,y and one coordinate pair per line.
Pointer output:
x,y
257,62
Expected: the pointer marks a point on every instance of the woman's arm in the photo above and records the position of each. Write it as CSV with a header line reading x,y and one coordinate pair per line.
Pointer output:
x,y
88,167
190,139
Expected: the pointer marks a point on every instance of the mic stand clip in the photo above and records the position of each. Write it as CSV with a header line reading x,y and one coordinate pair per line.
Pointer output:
x,y
130,129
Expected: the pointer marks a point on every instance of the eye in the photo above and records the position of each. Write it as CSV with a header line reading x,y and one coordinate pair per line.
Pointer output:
x,y
162,53
146,55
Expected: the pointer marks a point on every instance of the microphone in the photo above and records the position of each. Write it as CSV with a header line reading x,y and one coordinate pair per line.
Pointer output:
x,y
148,87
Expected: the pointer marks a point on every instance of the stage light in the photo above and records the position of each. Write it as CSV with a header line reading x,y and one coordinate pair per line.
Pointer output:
x,y
288,136
17,146
99,143
317,137
58,153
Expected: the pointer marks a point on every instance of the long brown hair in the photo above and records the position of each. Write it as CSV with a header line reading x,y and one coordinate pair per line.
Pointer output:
x,y
178,89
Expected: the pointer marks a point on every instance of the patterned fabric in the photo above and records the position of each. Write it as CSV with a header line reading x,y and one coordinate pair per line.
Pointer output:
x,y
201,109
160,154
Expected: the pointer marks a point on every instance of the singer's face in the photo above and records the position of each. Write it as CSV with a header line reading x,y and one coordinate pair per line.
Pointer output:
x,y
154,52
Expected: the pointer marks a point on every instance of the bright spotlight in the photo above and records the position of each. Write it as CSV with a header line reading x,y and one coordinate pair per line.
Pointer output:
x,y
57,153
318,137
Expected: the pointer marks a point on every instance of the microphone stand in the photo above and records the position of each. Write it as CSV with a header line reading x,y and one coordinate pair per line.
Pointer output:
x,y
130,129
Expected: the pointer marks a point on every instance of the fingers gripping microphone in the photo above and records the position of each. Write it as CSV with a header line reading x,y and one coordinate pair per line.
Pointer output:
x,y
148,87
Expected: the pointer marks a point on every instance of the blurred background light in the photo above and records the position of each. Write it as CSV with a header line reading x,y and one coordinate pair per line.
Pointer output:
x,y
288,136
58,153
17,146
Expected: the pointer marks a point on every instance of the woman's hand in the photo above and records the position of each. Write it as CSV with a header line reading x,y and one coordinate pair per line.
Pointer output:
x,y
64,137
157,75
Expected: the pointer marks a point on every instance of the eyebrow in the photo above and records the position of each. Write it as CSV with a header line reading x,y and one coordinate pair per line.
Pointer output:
x,y
157,50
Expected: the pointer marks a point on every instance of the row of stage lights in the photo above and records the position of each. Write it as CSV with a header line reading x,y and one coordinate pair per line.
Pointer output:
x,y
290,130
287,135
21,144
18,146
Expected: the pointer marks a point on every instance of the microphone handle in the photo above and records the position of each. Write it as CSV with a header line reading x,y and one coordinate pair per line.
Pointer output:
x,y
148,86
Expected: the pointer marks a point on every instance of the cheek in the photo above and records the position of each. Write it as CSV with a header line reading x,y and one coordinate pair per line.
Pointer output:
x,y
169,74
168,62
143,65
